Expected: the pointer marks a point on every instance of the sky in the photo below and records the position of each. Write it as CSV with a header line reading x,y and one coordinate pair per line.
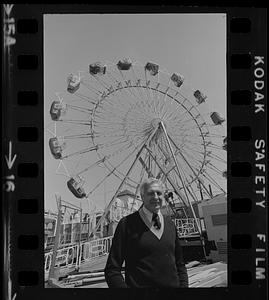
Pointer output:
x,y
191,44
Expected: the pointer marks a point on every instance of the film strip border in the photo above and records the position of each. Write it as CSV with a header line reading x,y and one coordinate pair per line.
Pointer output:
x,y
23,151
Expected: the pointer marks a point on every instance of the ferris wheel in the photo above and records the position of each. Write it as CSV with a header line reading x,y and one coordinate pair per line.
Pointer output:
x,y
137,120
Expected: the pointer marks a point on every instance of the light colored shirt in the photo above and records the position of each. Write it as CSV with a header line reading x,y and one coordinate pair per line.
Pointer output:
x,y
146,216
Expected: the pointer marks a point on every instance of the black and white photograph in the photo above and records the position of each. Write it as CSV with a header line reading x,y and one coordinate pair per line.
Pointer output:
x,y
135,150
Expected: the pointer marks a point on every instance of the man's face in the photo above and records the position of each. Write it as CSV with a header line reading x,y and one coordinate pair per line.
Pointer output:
x,y
153,197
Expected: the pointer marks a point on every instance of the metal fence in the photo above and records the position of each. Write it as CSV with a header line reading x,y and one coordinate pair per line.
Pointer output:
x,y
186,227
75,255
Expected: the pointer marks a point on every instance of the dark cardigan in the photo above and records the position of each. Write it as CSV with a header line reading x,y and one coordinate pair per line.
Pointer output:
x,y
149,262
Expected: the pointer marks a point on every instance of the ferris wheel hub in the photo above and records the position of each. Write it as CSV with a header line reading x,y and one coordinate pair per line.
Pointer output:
x,y
156,122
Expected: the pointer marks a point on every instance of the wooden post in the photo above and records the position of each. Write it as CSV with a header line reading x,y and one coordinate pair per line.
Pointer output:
x,y
56,240
79,241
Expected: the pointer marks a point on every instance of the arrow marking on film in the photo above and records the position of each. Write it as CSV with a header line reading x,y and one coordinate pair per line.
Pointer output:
x,y
10,161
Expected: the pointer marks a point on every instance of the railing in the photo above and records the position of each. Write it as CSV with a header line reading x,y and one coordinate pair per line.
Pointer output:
x,y
186,227
65,239
74,256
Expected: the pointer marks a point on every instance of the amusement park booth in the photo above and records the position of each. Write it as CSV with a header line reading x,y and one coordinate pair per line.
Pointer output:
x,y
214,212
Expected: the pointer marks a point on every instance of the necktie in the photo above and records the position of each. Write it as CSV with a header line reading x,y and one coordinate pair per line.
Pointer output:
x,y
156,221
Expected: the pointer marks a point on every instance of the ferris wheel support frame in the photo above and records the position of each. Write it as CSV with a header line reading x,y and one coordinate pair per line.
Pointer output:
x,y
163,172
184,187
180,176
123,181
184,158
199,225
166,175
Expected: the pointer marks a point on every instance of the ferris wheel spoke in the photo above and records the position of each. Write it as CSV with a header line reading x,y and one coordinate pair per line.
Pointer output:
x,y
103,123
201,144
213,168
193,139
184,158
212,135
100,182
128,98
185,127
183,139
66,173
157,95
114,78
81,109
166,115
185,122
196,161
80,152
76,136
76,122
106,115
218,158
189,187
214,126
97,163
86,98
150,94
192,150
114,143
189,128
146,98
123,149
166,91
109,135
123,101
183,136
214,146
138,83
138,86
186,112
182,167
92,89
150,99
101,83
129,92
172,113
194,144
210,179
51,132
106,131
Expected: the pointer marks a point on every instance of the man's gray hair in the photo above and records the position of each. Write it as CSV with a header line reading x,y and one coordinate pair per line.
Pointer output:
x,y
149,181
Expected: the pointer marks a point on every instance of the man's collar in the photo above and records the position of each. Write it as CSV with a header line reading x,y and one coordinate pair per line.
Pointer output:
x,y
149,213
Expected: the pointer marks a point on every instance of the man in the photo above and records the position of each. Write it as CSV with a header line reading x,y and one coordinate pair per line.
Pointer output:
x,y
148,243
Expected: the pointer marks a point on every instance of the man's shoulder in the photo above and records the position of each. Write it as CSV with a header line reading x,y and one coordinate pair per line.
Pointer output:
x,y
168,219
131,217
